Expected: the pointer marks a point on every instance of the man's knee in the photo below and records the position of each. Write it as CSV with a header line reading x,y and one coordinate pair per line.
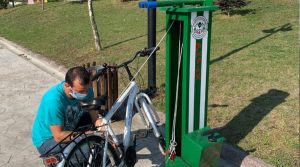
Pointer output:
x,y
50,146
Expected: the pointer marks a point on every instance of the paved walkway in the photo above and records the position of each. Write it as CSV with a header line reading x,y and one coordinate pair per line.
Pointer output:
x,y
22,86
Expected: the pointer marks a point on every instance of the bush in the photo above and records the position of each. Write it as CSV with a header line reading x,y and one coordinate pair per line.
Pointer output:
x,y
3,4
227,6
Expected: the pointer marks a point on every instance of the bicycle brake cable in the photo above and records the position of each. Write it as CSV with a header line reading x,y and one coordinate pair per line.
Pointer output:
x,y
146,60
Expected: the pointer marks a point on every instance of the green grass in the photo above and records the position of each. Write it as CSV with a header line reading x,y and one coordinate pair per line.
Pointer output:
x,y
256,60
254,88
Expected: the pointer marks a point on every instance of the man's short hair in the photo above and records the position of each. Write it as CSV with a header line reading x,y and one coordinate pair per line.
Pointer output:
x,y
79,73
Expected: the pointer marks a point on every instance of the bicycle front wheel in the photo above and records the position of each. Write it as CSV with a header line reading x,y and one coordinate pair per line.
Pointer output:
x,y
89,153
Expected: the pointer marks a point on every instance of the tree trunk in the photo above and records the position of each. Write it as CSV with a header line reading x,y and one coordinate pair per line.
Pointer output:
x,y
228,13
94,26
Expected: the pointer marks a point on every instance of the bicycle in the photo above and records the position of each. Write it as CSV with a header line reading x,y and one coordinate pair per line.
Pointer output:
x,y
104,148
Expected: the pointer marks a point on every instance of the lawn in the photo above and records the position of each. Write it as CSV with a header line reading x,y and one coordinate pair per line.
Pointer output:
x,y
254,74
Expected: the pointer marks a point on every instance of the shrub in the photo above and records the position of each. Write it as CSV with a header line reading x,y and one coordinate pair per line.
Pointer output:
x,y
227,6
3,4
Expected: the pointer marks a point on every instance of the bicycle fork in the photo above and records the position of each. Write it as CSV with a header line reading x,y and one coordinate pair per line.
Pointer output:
x,y
145,107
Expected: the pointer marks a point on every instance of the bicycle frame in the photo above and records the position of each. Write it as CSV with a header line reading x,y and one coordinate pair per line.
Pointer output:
x,y
140,100
131,93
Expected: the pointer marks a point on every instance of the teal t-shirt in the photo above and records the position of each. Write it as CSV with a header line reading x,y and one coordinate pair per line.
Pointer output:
x,y
55,109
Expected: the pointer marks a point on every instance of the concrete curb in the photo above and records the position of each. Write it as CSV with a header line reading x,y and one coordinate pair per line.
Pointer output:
x,y
230,154
237,157
58,71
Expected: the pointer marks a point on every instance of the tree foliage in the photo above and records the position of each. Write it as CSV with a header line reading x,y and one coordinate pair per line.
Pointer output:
x,y
3,4
227,6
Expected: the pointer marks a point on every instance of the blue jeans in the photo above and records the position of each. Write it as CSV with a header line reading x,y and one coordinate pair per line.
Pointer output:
x,y
80,153
50,143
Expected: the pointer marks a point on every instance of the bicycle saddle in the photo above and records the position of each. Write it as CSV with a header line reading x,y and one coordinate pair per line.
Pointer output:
x,y
94,103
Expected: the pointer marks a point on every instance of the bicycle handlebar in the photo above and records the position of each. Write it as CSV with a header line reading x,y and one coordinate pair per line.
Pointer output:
x,y
148,51
99,72
143,52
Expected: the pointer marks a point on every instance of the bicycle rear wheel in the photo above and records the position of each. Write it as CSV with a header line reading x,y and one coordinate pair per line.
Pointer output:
x,y
89,151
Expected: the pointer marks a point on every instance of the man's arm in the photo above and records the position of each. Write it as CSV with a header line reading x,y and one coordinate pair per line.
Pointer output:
x,y
94,115
59,134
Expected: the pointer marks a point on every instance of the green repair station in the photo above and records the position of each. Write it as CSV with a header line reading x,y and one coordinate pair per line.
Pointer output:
x,y
188,26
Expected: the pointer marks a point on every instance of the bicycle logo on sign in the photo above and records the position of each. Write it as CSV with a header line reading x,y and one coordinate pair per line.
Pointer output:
x,y
199,27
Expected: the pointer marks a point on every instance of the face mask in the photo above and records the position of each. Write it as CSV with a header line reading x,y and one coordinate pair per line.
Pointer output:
x,y
76,95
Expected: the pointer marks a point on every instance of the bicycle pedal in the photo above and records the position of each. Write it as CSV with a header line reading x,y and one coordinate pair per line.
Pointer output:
x,y
141,133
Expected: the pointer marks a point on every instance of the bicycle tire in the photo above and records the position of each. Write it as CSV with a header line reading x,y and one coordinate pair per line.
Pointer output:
x,y
75,158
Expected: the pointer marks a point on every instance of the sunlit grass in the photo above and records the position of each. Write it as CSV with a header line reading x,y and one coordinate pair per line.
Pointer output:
x,y
254,87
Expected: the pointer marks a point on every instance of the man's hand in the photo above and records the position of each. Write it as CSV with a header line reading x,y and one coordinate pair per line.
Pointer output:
x,y
95,118
98,122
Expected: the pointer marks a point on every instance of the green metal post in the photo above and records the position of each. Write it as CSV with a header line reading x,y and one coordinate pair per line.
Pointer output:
x,y
191,25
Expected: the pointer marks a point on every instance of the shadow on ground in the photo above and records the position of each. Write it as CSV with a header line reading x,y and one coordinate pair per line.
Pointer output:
x,y
243,12
129,39
147,147
269,32
244,122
